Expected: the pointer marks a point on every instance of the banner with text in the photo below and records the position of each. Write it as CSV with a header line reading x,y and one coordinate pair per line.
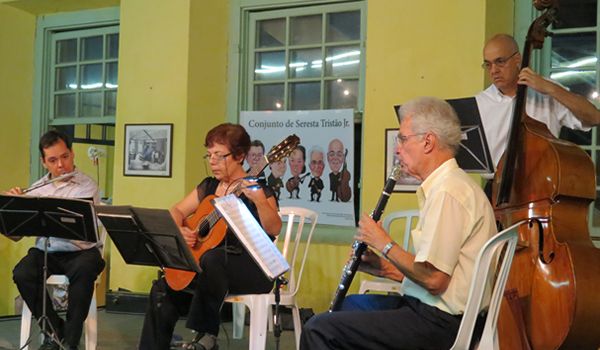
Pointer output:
x,y
320,172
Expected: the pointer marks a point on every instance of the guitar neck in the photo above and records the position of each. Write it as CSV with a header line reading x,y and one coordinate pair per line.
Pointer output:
x,y
258,168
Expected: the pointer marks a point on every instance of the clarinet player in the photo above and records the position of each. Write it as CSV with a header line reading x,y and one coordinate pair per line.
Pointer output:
x,y
455,222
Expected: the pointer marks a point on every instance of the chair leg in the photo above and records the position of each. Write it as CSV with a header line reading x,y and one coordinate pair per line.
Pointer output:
x,y
258,323
270,318
91,325
239,315
25,326
297,325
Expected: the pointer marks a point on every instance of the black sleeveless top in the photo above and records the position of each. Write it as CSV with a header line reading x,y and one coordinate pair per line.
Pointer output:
x,y
209,185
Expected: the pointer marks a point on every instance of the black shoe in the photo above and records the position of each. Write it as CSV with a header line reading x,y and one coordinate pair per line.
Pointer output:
x,y
49,344
199,341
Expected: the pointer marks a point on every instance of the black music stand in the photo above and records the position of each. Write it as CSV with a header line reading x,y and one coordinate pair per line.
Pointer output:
x,y
147,237
67,218
473,155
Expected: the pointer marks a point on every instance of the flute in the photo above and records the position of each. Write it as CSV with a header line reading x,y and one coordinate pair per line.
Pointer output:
x,y
49,181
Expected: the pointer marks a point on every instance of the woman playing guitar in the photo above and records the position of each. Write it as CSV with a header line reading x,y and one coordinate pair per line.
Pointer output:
x,y
227,268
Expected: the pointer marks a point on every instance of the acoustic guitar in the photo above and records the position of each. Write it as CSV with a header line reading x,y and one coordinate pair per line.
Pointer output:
x,y
208,224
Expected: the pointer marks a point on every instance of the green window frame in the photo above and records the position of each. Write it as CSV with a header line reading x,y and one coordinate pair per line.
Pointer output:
x,y
50,29
298,47
83,76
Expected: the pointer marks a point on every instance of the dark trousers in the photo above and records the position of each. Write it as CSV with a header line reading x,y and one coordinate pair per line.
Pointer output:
x,y
222,273
406,324
81,267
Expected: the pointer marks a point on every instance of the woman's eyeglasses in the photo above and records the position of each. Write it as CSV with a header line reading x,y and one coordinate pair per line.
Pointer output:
x,y
217,157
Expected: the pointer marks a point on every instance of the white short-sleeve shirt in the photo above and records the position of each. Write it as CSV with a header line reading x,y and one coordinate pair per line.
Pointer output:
x,y
496,111
456,219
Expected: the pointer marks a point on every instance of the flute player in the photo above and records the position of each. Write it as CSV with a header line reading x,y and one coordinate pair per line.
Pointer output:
x,y
80,261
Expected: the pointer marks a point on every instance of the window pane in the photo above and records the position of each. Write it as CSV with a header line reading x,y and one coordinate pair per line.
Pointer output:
x,y
342,94
91,76
270,65
91,104
66,51
306,30
342,61
583,138
112,46
305,63
110,103
343,26
574,50
91,48
579,81
271,33
305,96
112,74
268,97
64,105
577,14
65,78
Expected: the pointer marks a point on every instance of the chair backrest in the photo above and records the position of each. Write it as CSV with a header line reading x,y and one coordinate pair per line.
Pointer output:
x,y
411,217
489,254
300,226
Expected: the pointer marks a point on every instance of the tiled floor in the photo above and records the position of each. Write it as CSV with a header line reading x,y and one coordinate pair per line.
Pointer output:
x,y
121,331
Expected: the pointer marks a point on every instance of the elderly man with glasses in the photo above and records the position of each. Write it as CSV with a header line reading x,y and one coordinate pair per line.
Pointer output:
x,y
547,101
456,220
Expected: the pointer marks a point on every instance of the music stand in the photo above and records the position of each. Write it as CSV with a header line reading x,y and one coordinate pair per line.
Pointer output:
x,y
67,218
147,237
473,155
251,234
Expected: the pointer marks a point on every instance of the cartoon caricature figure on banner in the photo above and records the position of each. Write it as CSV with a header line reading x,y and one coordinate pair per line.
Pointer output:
x,y
326,160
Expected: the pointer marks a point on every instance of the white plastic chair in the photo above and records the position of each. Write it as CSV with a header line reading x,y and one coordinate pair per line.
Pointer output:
x,y
384,284
483,267
91,322
260,304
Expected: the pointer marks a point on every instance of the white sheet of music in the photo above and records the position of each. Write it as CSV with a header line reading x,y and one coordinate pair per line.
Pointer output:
x,y
252,235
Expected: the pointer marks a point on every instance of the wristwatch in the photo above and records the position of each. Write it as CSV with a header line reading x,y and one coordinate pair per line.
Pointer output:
x,y
386,249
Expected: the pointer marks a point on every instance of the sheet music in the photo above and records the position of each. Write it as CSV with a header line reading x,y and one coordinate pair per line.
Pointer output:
x,y
252,235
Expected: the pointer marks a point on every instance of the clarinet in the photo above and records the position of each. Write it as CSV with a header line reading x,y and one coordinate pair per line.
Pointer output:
x,y
358,247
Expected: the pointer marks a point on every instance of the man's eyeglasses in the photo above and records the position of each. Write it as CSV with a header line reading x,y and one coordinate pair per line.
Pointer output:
x,y
217,157
334,154
401,139
500,62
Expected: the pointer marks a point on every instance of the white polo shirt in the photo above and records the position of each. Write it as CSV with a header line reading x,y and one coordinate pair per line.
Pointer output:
x,y
496,110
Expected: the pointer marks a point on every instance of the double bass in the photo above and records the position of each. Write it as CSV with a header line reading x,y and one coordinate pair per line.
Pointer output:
x,y
344,192
550,300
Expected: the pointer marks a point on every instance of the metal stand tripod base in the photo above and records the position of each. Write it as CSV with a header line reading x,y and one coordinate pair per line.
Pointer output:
x,y
43,320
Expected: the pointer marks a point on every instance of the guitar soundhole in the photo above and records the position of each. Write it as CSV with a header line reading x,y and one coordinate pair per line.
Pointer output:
x,y
203,230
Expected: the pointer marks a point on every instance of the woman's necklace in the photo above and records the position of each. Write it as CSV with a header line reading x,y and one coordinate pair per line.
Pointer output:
x,y
223,188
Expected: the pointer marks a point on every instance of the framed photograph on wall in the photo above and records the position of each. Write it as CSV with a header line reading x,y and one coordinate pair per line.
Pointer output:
x,y
148,150
406,183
